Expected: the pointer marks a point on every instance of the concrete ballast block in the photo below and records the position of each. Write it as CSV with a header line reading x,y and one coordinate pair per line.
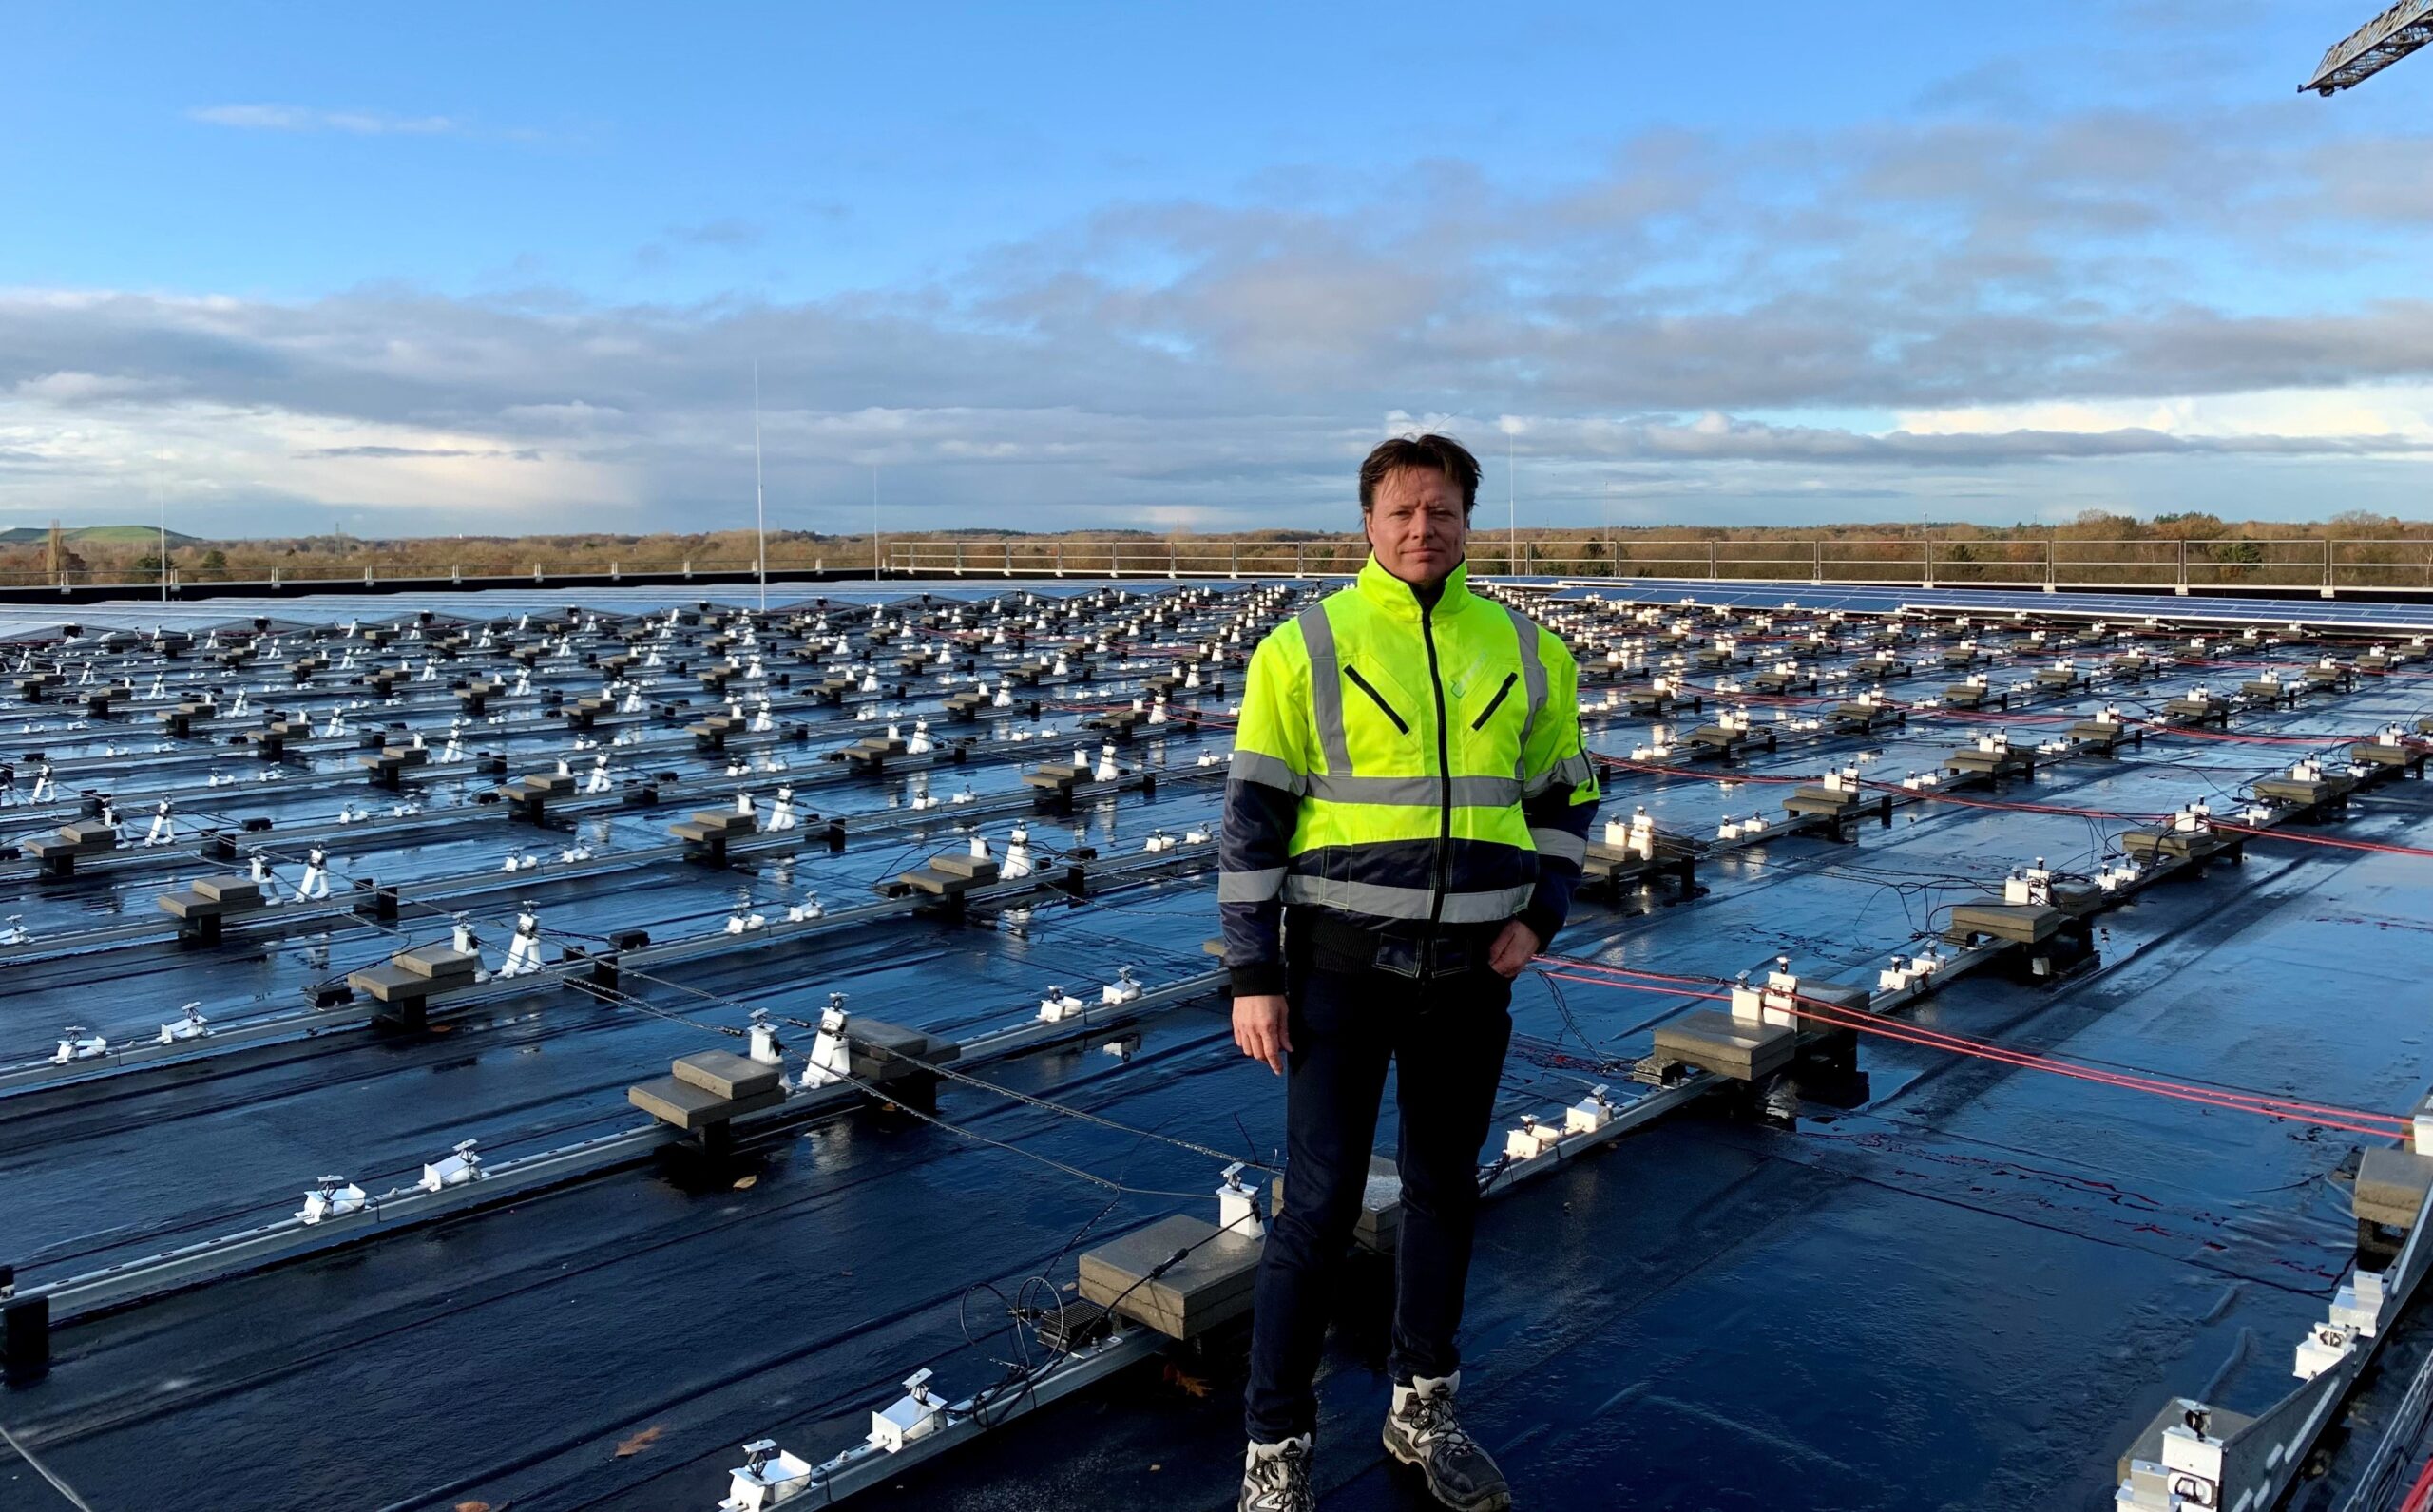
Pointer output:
x,y
437,963
2391,1186
726,1074
689,1107
1211,1285
1728,1046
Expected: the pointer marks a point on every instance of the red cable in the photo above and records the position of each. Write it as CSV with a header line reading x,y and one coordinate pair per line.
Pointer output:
x,y
2236,738
2383,847
1936,795
1662,769
2034,1061
1970,1045
2024,1062
2421,1493
2292,837
2230,1099
2004,717
1992,715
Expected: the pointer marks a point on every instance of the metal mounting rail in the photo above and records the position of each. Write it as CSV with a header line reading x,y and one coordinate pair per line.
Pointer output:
x,y
2262,1458
274,921
128,858
865,1466
301,1024
2377,1489
133,1281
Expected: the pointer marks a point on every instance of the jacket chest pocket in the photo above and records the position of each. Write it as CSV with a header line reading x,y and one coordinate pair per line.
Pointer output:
x,y
1387,728
1491,722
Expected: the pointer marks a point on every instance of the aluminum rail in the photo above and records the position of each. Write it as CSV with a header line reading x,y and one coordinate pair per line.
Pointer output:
x,y
2376,1487
999,659
122,1069
826,775
274,921
2263,1458
118,1286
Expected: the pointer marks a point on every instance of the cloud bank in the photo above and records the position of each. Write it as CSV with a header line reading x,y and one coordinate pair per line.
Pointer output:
x,y
1993,319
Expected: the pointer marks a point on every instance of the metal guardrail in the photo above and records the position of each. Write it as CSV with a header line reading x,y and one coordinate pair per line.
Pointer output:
x,y
2320,564
389,571
2324,565
23,588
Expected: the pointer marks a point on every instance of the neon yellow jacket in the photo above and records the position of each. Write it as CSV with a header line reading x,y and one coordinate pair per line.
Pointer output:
x,y
1406,765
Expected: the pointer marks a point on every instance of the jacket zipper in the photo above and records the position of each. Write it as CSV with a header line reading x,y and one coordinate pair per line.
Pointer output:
x,y
1496,702
1444,793
1375,696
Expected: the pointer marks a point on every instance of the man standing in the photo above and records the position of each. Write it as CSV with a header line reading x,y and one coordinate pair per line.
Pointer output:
x,y
1404,821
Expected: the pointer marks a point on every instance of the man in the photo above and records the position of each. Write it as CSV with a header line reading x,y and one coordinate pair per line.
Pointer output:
x,y
1404,821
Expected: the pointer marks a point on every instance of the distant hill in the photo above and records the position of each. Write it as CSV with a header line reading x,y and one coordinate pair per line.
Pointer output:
x,y
120,535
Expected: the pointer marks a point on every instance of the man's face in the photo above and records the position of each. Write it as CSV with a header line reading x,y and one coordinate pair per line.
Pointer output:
x,y
1415,525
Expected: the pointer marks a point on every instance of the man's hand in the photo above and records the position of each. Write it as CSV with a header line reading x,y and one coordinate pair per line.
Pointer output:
x,y
1512,950
1259,1028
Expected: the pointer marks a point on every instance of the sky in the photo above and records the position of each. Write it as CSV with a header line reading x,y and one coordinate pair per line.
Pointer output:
x,y
484,269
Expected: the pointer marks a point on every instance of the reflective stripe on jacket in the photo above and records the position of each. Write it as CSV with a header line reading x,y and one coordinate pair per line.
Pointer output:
x,y
1407,766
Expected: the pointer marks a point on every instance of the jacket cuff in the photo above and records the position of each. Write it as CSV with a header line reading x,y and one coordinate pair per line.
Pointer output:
x,y
1543,922
1259,979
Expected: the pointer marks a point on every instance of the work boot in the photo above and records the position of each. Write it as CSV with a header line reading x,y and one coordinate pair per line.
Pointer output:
x,y
1275,1478
1422,1431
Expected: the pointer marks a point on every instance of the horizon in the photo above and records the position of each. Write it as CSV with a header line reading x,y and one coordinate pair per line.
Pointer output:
x,y
462,271
2359,528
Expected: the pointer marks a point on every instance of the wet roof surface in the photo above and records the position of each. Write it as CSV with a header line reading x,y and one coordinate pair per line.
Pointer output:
x,y
1964,1283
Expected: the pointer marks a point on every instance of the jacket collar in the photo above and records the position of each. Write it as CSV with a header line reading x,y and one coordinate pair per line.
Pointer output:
x,y
1401,599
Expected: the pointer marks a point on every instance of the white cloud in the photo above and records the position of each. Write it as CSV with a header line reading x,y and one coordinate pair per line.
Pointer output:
x,y
216,463
2365,410
303,117
72,387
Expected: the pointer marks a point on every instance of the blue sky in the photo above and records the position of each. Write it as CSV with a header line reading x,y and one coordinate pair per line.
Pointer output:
x,y
509,268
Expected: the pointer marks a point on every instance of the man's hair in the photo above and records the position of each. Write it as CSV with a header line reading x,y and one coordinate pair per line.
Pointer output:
x,y
1432,453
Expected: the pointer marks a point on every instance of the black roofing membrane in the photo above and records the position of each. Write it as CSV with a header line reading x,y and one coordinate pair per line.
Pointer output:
x,y
1971,1289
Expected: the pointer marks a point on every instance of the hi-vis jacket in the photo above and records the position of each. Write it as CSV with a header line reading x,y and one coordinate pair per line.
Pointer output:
x,y
1405,765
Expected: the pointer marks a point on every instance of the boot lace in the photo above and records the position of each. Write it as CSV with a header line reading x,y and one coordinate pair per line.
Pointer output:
x,y
1283,1480
1432,1423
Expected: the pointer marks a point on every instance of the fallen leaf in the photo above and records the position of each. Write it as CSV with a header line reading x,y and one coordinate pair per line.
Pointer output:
x,y
747,1183
1191,1385
640,1441
473,1506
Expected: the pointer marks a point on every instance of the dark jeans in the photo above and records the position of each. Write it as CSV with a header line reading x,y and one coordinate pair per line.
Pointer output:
x,y
1445,1039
